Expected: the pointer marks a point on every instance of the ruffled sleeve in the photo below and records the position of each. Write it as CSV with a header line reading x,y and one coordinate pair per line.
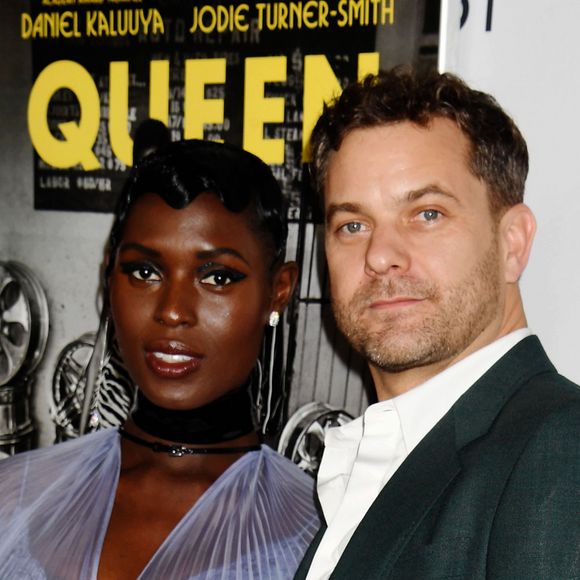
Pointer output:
x,y
55,507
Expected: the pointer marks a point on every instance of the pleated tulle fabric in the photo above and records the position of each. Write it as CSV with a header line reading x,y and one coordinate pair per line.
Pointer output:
x,y
255,521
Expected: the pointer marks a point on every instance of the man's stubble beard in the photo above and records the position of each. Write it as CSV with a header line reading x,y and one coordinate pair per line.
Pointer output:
x,y
402,341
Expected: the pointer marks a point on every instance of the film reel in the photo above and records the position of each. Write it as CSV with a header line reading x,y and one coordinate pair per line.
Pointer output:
x,y
87,400
302,439
68,385
24,322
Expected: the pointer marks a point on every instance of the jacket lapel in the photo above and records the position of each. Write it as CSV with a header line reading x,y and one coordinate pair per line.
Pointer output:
x,y
433,464
308,557
400,506
479,407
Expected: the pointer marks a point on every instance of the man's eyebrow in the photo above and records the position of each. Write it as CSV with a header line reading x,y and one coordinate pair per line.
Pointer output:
x,y
432,189
346,207
410,196
216,252
139,248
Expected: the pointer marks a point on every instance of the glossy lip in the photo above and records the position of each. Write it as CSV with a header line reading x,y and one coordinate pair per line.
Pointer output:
x,y
171,359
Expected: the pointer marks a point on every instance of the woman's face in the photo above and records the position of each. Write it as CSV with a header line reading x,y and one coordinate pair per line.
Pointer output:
x,y
191,291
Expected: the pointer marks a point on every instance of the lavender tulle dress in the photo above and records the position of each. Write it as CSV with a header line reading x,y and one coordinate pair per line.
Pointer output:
x,y
254,522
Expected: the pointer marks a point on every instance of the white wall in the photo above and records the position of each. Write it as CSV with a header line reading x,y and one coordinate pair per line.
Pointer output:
x,y
530,62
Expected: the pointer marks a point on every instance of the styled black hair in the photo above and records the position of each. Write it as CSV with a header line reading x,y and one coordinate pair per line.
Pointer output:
x,y
179,172
150,136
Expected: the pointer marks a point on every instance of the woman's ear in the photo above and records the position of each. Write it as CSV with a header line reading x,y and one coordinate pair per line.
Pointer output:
x,y
517,227
285,280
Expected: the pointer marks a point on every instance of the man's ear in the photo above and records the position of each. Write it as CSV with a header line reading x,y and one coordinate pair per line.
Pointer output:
x,y
285,280
517,230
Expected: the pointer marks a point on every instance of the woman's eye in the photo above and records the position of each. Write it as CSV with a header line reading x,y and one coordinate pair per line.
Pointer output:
x,y
430,215
222,277
146,274
142,272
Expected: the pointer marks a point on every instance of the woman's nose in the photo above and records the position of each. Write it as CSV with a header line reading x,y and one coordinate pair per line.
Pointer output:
x,y
176,305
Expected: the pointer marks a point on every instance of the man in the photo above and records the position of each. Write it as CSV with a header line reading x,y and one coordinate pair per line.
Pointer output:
x,y
469,464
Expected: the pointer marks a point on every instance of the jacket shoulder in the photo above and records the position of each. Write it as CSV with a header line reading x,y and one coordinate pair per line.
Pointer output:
x,y
536,527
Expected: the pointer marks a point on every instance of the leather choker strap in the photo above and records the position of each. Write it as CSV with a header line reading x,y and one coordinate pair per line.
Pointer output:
x,y
181,450
224,419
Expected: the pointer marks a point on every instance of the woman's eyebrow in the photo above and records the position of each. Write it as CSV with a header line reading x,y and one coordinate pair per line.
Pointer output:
x,y
139,248
208,254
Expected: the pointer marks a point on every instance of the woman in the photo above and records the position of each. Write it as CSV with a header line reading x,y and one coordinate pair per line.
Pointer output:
x,y
195,273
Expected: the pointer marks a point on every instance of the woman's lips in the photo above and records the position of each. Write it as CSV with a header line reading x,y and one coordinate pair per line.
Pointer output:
x,y
172,360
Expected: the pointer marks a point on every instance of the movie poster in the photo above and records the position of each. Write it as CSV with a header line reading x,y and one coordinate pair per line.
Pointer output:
x,y
82,75
253,74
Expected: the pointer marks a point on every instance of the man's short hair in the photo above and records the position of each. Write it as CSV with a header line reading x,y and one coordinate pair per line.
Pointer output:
x,y
499,155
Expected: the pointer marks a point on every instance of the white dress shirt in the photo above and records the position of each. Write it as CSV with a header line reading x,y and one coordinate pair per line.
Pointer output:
x,y
360,457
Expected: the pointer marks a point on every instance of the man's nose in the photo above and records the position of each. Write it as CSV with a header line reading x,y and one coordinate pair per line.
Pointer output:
x,y
387,250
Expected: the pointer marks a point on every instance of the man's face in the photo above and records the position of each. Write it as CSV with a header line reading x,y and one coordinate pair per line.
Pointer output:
x,y
413,252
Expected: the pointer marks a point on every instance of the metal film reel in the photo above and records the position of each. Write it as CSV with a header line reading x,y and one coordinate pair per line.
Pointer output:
x,y
24,322
302,439
68,385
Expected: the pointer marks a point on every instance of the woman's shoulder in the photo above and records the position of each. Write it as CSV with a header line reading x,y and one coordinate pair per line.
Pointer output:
x,y
55,502
52,461
283,470
267,465
48,477
271,485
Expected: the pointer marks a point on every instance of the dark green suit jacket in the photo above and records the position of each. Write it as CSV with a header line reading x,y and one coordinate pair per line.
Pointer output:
x,y
493,491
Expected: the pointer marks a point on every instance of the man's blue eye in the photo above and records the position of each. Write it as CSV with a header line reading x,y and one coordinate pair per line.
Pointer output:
x,y
353,227
430,214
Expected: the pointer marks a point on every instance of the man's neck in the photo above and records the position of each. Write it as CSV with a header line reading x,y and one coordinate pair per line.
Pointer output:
x,y
391,384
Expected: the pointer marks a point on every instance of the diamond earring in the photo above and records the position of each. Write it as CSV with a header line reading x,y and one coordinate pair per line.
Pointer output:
x,y
274,319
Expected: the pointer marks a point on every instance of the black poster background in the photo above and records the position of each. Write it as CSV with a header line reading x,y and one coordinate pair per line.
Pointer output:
x,y
78,190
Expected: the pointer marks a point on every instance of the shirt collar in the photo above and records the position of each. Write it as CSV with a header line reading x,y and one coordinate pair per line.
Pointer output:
x,y
420,408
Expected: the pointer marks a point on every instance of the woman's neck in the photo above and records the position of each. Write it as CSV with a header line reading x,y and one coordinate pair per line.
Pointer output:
x,y
222,420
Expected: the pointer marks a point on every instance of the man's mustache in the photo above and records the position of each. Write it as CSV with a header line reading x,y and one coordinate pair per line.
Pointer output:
x,y
379,289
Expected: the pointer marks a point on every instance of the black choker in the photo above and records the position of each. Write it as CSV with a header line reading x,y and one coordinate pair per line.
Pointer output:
x,y
181,450
224,419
